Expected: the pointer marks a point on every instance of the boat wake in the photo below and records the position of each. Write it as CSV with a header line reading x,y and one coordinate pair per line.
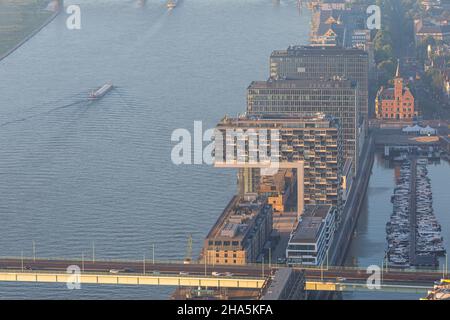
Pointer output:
x,y
81,101
43,113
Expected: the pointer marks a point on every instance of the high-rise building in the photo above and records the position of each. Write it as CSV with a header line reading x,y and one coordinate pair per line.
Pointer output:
x,y
323,63
314,140
278,188
337,98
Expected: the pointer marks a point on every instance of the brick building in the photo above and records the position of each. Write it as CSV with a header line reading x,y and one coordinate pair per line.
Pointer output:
x,y
395,103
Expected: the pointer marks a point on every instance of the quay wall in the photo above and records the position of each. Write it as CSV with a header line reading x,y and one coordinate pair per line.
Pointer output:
x,y
352,208
31,35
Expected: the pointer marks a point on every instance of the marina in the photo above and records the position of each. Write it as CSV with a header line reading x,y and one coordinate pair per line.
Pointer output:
x,y
413,232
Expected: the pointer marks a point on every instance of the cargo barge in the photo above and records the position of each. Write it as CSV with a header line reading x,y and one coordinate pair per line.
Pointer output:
x,y
101,92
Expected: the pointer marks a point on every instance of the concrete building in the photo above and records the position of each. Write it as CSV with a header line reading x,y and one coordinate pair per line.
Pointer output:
x,y
328,28
334,5
239,235
395,103
336,27
361,38
424,29
309,243
337,98
323,63
285,284
315,141
278,188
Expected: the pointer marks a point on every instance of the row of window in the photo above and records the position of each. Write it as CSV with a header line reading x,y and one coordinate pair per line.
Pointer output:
x,y
224,243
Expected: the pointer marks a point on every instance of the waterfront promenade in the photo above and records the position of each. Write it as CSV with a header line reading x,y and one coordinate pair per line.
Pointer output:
x,y
352,207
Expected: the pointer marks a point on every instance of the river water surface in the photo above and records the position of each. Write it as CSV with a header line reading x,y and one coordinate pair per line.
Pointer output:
x,y
75,173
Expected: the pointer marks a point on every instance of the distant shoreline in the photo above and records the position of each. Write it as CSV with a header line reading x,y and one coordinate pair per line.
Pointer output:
x,y
31,35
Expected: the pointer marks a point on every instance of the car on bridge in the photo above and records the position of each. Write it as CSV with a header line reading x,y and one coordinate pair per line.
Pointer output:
x,y
114,271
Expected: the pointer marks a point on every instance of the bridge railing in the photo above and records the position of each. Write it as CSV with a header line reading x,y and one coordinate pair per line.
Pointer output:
x,y
133,274
265,266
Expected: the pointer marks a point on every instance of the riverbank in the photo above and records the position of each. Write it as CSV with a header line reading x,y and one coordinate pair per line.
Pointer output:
x,y
19,22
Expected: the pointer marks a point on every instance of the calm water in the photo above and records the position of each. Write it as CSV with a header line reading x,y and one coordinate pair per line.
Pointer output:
x,y
369,242
73,172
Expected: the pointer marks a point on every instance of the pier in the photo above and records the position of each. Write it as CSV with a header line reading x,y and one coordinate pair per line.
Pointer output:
x,y
413,232
413,213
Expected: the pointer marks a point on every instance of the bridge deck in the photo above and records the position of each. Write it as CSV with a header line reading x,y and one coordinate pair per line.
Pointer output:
x,y
192,281
122,279
200,275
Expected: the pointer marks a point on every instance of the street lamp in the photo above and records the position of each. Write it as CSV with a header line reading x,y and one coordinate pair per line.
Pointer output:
x,y
34,251
445,267
270,258
153,253
93,252
262,266
143,261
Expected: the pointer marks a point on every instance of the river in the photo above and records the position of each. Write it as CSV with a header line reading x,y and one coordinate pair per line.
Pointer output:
x,y
75,173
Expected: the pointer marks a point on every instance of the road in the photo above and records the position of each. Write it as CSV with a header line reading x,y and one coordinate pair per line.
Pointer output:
x,y
335,274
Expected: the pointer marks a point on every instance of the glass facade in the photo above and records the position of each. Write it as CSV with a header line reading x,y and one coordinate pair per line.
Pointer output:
x,y
323,63
337,98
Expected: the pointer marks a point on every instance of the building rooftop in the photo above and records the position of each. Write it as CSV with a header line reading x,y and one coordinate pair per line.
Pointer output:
x,y
316,50
239,218
311,223
303,83
278,284
317,120
389,93
434,29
